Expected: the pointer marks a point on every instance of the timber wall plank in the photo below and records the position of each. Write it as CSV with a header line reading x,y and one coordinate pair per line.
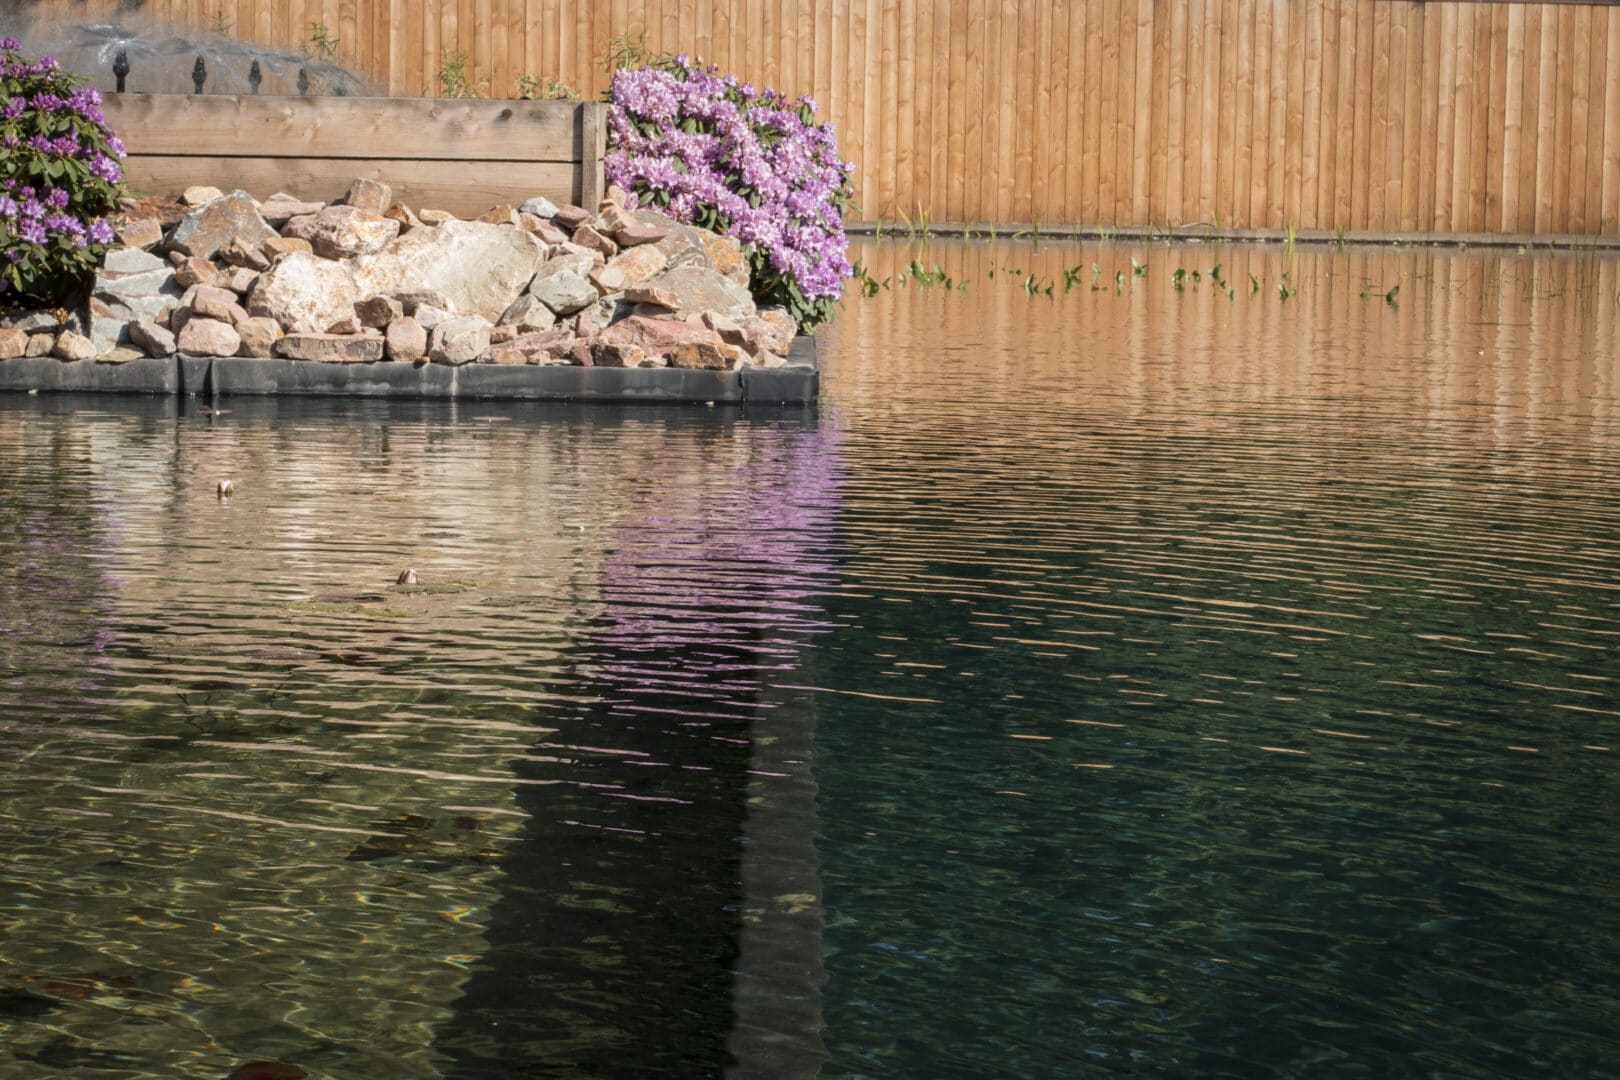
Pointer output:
x,y
1386,115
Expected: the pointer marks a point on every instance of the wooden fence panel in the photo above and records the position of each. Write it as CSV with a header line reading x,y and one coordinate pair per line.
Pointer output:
x,y
1385,115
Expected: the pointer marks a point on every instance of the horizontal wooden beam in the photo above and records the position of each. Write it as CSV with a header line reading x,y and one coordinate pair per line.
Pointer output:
x,y
430,129
444,185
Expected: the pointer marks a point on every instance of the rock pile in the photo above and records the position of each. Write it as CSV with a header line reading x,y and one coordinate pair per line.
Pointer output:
x,y
367,278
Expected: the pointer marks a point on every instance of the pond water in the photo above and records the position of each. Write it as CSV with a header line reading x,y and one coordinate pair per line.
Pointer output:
x,y
1127,681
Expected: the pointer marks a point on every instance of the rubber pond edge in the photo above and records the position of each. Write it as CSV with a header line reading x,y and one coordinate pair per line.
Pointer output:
x,y
796,383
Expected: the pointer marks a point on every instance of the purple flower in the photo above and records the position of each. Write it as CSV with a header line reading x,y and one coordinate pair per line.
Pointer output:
x,y
101,232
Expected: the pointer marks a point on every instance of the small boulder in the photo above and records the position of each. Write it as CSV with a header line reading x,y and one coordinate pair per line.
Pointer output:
x,y
587,236
407,341
241,281
401,213
140,233
370,196
343,232
259,336
238,254
459,340
349,325
277,211
609,354
570,217
151,338
500,215
633,235
208,337
200,194
708,355
434,217
130,261
195,271
540,207
330,348
70,345
13,343
657,336
528,314
213,303
701,290
542,228
378,311
277,246
653,297
211,226
304,293
630,268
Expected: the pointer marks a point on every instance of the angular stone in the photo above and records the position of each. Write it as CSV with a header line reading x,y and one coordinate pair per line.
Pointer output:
x,y
241,255
708,355
657,336
610,219
571,217
278,212
301,227
304,293
593,257
259,336
500,215
528,314
556,343
13,343
200,194
32,322
435,217
350,325
120,354
540,207
500,335
772,330
220,304
633,235
410,299
343,232
729,330
277,246
378,311
213,225
129,260
195,271
459,340
542,228
371,196
401,213
701,290
40,344
614,196
564,293
725,256
330,348
586,236
407,340
653,297
508,356
241,281
477,267
71,346
208,337
168,211
140,233
109,324
430,316
608,354
630,268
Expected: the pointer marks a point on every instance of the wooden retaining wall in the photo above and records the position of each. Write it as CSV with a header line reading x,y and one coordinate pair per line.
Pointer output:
x,y
463,156
1383,115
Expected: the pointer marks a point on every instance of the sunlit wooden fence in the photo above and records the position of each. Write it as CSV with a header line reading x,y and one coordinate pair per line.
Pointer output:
x,y
1391,115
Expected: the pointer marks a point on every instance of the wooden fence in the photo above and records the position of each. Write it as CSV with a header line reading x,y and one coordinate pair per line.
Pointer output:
x,y
1385,115
463,156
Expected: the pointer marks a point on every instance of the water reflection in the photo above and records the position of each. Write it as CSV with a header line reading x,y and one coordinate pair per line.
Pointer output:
x,y
1224,686
297,805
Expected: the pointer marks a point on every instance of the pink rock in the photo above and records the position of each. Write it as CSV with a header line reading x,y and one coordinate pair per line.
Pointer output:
x,y
709,355
657,336
330,348
587,237
371,196
13,343
259,336
195,271
209,337
407,340
634,235
572,217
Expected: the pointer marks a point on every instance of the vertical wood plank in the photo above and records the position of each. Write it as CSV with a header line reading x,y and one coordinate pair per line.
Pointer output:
x,y
1029,109
1209,124
1005,104
1284,50
1462,93
1163,101
1234,80
1412,113
1142,121
939,119
1307,136
1349,107
1563,95
1377,175
1512,119
973,127
1611,129
1372,68
1548,151
1092,132
1123,92
1529,129
1597,68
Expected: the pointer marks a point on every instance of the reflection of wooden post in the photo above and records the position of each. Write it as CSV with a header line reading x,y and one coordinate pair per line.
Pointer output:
x,y
592,149
776,1007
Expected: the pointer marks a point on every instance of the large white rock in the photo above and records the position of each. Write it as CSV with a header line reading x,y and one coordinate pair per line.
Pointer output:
x,y
305,293
477,267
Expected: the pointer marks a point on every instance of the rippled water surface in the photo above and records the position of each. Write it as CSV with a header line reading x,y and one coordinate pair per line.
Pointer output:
x,y
1131,681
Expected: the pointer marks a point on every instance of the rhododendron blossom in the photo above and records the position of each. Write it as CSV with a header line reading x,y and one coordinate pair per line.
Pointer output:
x,y
755,165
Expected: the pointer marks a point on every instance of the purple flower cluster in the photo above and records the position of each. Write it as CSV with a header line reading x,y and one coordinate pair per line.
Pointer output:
x,y
752,164
59,175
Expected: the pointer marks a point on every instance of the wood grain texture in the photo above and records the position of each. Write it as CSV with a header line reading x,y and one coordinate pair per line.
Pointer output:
x,y
1394,115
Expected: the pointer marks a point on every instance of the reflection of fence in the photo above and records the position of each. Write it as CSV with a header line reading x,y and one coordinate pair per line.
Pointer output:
x,y
1357,114
463,156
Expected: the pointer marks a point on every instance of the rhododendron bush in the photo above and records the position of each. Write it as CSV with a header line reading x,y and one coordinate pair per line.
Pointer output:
x,y
59,178
709,150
